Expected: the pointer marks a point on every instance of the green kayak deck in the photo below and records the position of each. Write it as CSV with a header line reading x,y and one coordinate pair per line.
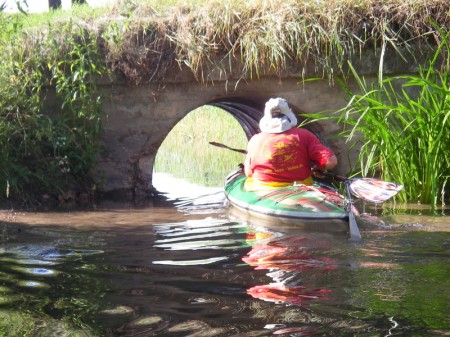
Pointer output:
x,y
294,202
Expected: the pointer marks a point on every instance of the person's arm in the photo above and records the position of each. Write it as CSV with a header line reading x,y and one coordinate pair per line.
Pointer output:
x,y
329,165
248,158
323,157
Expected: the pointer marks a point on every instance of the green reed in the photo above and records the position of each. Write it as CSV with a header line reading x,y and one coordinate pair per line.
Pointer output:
x,y
402,125
187,154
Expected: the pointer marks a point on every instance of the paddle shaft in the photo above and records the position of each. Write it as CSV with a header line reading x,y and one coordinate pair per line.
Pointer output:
x,y
227,147
355,234
333,175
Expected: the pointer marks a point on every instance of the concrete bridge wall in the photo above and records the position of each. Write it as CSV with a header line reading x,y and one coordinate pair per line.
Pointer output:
x,y
138,118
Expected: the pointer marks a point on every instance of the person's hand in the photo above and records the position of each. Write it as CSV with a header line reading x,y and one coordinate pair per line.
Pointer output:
x,y
318,172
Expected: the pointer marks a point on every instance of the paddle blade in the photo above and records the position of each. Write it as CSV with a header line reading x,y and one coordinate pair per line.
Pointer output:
x,y
355,234
374,190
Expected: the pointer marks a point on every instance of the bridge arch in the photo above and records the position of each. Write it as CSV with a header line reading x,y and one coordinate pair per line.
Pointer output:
x,y
138,119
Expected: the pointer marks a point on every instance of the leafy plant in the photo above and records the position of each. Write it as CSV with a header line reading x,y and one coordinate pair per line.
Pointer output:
x,y
48,149
402,125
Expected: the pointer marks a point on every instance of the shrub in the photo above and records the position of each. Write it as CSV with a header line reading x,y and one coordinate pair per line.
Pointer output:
x,y
46,151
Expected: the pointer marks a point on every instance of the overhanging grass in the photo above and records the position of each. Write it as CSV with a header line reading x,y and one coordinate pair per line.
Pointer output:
x,y
144,40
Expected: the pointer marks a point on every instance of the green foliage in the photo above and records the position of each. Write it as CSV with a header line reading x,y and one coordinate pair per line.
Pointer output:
x,y
402,126
47,149
186,153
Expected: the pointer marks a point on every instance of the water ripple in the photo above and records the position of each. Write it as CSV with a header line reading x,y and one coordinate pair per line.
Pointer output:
x,y
210,235
191,262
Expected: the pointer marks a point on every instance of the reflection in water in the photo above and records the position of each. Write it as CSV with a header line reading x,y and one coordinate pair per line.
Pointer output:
x,y
40,294
171,272
290,270
286,258
266,249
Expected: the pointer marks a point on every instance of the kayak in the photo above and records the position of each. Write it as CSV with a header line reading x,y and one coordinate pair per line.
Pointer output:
x,y
310,203
289,202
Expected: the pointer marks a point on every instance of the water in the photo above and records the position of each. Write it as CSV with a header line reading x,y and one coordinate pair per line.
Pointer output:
x,y
190,268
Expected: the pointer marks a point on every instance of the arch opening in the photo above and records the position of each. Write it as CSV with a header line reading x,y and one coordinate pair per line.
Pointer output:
x,y
186,152
246,112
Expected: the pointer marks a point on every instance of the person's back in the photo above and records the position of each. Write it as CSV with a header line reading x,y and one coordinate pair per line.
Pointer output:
x,y
282,153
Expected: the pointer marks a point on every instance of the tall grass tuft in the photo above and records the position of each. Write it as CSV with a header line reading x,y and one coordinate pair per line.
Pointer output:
x,y
187,154
403,126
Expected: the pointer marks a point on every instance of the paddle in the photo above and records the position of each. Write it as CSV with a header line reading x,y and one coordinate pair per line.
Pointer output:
x,y
355,235
227,147
368,189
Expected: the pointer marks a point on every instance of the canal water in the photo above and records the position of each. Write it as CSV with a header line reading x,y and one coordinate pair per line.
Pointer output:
x,y
187,266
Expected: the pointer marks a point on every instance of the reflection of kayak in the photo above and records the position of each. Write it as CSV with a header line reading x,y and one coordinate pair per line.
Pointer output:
x,y
289,202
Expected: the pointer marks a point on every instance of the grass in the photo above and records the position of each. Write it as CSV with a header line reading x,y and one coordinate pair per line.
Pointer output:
x,y
144,40
402,126
43,155
186,153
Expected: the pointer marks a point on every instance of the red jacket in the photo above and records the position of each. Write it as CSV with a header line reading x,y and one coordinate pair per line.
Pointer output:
x,y
284,157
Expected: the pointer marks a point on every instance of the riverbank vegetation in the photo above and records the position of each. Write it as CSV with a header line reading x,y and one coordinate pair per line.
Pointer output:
x,y
403,123
49,148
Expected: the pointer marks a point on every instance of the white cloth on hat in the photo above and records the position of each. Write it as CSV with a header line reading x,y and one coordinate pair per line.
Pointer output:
x,y
277,124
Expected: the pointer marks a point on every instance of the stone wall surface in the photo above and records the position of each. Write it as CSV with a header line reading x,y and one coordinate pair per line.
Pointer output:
x,y
138,118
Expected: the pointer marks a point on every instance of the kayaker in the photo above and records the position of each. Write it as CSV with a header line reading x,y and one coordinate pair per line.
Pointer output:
x,y
281,154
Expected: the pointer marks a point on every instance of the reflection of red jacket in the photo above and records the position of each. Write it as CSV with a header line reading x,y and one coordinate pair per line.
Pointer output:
x,y
288,256
285,156
295,295
278,257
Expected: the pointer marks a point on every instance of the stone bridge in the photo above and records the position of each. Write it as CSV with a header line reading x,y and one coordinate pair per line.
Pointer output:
x,y
138,118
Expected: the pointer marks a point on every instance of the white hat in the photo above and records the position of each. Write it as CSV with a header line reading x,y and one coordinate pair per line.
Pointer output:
x,y
271,122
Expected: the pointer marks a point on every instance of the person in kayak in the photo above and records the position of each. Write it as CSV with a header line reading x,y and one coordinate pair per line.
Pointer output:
x,y
281,154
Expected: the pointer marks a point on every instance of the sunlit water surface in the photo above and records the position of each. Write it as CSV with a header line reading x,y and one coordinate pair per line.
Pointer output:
x,y
188,267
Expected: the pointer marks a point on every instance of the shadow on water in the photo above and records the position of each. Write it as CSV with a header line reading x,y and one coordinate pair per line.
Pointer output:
x,y
193,269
